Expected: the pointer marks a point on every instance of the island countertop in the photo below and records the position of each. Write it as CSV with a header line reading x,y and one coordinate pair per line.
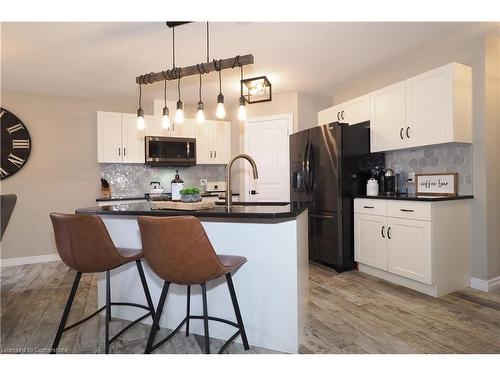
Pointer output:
x,y
239,211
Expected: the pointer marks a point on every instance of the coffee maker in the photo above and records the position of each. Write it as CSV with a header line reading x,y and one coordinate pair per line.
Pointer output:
x,y
390,182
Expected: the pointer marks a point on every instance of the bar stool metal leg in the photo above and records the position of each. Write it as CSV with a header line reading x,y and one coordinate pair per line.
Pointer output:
x,y
156,320
188,309
205,317
237,311
145,287
65,314
108,311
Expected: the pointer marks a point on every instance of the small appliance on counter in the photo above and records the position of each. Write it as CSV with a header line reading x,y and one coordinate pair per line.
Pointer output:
x,y
177,186
389,182
372,187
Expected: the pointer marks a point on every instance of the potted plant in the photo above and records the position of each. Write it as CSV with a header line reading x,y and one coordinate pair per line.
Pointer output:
x,y
190,194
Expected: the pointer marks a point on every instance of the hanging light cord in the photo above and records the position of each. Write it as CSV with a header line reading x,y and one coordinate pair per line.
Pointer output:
x,y
208,44
140,94
173,47
217,67
165,93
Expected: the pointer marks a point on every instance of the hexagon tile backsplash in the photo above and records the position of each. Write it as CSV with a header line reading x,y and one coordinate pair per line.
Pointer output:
x,y
435,159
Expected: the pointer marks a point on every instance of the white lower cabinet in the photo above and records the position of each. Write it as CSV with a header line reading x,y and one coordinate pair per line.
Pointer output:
x,y
420,245
409,248
370,241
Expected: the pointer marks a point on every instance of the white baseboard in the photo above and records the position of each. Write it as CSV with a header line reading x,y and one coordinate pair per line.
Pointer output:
x,y
485,285
10,262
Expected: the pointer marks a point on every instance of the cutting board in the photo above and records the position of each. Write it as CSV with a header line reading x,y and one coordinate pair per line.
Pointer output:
x,y
170,205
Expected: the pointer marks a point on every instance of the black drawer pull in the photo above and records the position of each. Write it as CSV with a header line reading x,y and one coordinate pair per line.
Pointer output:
x,y
368,207
405,210
389,233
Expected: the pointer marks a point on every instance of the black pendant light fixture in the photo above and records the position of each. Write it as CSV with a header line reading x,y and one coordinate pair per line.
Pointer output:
x,y
256,90
220,111
140,111
165,121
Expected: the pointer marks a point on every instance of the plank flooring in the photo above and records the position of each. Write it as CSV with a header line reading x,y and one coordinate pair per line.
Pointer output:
x,y
347,313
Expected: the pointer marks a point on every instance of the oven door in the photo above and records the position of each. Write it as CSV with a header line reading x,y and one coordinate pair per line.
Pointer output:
x,y
170,151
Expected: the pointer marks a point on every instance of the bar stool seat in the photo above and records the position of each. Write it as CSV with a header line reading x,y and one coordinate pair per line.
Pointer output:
x,y
85,246
178,250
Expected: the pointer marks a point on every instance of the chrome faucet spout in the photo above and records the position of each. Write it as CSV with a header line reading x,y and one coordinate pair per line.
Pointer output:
x,y
229,191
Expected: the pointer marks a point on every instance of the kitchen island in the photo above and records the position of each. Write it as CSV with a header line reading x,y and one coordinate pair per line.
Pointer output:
x,y
271,287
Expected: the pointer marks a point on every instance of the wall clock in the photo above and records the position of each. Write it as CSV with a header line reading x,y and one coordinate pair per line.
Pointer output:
x,y
16,144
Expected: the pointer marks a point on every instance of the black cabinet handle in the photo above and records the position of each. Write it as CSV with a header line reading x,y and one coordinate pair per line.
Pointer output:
x,y
401,133
124,151
342,115
382,231
119,151
338,116
408,132
215,154
368,207
389,233
406,210
210,154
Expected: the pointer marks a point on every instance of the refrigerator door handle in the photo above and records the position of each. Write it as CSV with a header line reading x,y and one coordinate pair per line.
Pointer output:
x,y
322,216
305,167
310,172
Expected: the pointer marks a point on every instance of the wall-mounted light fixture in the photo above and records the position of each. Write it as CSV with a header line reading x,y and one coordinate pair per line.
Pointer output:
x,y
256,90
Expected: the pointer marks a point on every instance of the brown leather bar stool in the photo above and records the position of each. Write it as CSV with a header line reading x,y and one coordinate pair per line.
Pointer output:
x,y
178,250
84,245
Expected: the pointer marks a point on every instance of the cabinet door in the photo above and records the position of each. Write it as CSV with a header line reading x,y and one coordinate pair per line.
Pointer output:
x,y
109,137
356,110
204,144
185,130
222,142
370,242
329,115
132,140
387,118
409,249
429,107
153,127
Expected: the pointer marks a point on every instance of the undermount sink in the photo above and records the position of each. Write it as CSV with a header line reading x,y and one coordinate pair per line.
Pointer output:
x,y
254,203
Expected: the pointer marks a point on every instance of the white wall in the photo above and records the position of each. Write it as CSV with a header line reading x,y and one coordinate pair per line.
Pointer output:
x,y
61,174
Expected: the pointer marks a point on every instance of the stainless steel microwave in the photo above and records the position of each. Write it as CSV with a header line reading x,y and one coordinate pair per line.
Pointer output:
x,y
170,151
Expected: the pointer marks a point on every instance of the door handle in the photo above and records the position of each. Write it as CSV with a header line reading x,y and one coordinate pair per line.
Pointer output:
x,y
124,151
406,210
210,154
382,231
368,207
187,150
389,233
322,216
342,115
408,132
401,133
215,154
119,151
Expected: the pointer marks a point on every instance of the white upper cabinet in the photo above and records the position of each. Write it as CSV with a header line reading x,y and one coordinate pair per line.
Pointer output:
x,y
213,142
432,108
153,127
132,140
109,137
329,115
387,118
185,130
118,139
352,112
355,111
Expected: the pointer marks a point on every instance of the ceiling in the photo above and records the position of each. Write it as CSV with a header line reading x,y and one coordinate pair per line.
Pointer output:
x,y
103,59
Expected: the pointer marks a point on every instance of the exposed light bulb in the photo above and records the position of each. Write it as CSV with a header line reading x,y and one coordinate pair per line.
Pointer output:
x,y
220,112
165,121
200,113
242,110
140,119
179,113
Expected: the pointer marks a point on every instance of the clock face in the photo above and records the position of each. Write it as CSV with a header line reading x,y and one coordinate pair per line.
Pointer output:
x,y
16,144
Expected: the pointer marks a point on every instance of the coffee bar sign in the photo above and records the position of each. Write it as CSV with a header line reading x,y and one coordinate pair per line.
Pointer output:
x,y
436,184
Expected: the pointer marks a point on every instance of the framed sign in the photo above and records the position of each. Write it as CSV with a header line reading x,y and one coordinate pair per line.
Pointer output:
x,y
436,184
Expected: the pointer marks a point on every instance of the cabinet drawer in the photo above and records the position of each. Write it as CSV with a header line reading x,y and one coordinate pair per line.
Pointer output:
x,y
370,206
409,210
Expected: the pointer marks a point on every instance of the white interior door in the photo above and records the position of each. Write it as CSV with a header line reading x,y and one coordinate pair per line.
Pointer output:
x,y
266,141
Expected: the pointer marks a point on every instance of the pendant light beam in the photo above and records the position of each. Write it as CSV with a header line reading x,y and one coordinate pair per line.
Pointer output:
x,y
176,73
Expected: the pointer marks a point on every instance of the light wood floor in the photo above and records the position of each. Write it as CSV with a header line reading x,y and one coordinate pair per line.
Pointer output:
x,y
348,313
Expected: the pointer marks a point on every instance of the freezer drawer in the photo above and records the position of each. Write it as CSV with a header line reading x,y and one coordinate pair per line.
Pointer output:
x,y
325,237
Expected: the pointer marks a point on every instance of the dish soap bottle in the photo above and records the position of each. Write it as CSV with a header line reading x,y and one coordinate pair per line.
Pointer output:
x,y
177,186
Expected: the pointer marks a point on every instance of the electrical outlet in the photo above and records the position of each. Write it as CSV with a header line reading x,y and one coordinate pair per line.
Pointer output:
x,y
203,182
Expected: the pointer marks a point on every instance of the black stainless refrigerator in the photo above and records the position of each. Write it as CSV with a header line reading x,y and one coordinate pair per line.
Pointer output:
x,y
330,165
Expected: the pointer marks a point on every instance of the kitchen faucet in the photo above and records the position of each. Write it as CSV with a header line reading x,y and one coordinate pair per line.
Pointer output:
x,y
229,193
